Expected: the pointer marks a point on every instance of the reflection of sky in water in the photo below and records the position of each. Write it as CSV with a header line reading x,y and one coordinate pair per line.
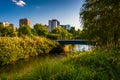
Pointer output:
x,y
82,47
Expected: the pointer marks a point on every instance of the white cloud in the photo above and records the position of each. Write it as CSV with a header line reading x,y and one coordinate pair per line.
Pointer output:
x,y
19,2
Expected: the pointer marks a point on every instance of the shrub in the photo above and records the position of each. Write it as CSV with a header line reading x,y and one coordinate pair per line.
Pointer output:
x,y
15,48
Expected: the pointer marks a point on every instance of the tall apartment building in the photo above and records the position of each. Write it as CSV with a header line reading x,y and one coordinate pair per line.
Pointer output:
x,y
24,21
53,24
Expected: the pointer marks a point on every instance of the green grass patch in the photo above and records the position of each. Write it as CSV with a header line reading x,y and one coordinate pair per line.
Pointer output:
x,y
97,64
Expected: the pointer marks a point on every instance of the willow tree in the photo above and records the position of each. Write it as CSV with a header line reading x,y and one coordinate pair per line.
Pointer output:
x,y
101,20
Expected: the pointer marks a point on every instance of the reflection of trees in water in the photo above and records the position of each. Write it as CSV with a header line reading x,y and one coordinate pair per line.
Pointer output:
x,y
78,48
71,48
83,49
66,48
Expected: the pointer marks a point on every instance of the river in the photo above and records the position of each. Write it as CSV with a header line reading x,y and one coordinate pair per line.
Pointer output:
x,y
24,66
70,48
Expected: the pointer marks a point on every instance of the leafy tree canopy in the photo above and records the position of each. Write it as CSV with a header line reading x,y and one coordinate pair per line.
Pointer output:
x,y
6,31
64,34
24,30
41,30
101,20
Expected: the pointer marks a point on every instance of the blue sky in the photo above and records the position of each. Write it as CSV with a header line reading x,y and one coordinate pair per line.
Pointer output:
x,y
40,11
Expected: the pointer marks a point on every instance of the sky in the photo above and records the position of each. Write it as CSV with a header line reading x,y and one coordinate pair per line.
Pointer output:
x,y
40,11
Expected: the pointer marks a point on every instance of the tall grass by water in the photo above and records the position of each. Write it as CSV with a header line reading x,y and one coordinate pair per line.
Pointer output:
x,y
97,64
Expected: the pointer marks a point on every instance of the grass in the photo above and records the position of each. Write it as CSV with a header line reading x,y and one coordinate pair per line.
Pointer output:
x,y
97,64
9,72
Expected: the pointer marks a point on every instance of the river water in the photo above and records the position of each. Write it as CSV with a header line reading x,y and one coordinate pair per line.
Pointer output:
x,y
83,47
70,48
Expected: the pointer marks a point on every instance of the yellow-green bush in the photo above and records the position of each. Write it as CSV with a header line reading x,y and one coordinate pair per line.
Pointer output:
x,y
15,48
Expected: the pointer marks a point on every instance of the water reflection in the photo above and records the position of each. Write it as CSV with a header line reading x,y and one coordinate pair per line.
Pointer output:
x,y
70,48
83,47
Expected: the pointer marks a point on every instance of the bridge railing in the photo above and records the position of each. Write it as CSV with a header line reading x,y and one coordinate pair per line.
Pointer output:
x,y
78,41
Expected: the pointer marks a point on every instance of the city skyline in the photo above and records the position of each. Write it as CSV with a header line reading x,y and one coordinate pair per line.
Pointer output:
x,y
40,11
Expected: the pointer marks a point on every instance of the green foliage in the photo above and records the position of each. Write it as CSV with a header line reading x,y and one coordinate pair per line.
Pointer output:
x,y
100,62
24,30
53,36
41,30
6,31
61,33
34,32
77,34
101,21
73,32
14,49
97,64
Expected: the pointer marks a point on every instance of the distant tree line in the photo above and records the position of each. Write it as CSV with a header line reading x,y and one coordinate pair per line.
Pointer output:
x,y
41,30
6,31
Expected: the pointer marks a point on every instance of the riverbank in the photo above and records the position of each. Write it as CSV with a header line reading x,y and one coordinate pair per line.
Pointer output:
x,y
13,49
97,64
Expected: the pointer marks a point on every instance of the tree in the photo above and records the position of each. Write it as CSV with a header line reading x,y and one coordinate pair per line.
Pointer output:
x,y
101,20
24,30
6,31
73,32
1,29
63,34
34,32
53,36
79,34
41,30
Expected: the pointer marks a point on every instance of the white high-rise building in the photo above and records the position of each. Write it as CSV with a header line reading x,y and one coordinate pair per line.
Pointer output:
x,y
53,24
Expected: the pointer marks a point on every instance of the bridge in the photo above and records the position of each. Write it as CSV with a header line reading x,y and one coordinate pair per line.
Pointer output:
x,y
82,42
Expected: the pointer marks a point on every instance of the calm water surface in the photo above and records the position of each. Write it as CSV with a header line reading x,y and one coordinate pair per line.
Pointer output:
x,y
77,48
